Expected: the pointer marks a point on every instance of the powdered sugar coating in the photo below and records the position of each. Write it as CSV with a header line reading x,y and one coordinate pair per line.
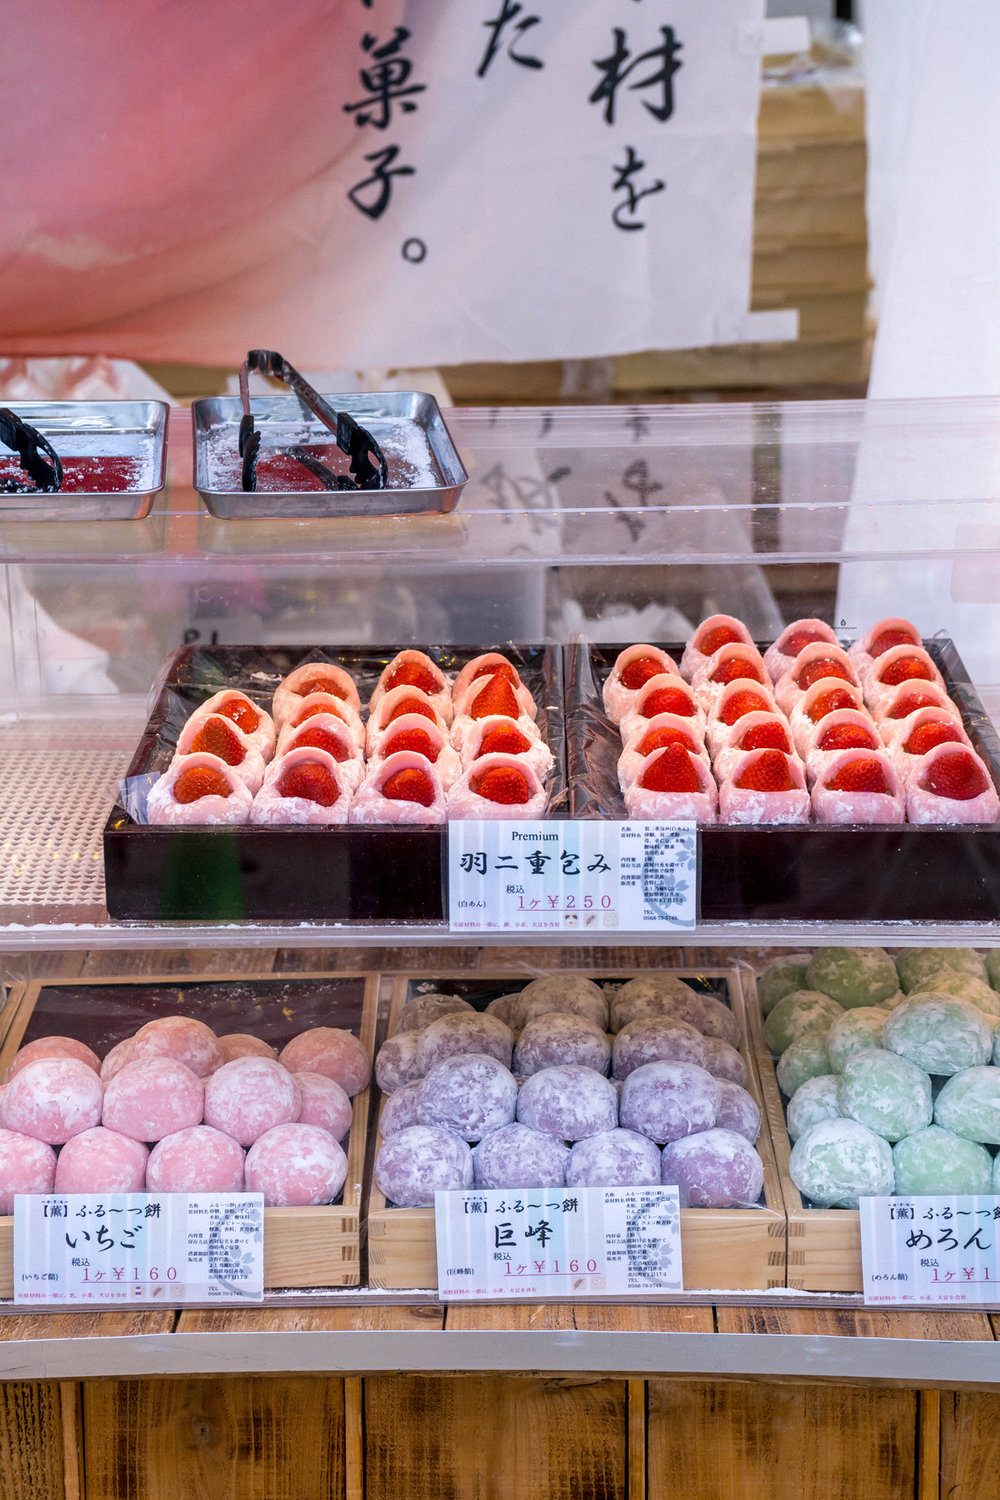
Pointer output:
x,y
559,1037
419,1012
516,1156
392,707
538,755
747,806
196,1160
372,806
318,706
324,1103
714,1169
463,801
925,806
101,1161
331,1051
618,699
839,1161
471,1095
462,1033
396,1062
832,806
241,1044
272,808
657,1039
788,691
52,1099
724,1061
337,728
472,676
250,1095
736,657
614,1158
572,994
419,1161
643,802
53,1046
504,1007
655,995
183,1038
400,1110
666,1100
737,1110
232,807
295,1165
814,1100
27,1165
151,1099
568,1101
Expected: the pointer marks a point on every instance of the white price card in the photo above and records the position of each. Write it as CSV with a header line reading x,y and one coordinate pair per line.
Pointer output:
x,y
557,1242
590,875
931,1250
139,1247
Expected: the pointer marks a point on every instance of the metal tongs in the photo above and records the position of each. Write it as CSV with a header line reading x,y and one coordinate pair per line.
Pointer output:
x,y
368,466
29,445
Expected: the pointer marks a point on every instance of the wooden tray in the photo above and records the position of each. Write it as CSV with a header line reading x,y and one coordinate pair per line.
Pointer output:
x,y
303,1247
824,1244
732,1248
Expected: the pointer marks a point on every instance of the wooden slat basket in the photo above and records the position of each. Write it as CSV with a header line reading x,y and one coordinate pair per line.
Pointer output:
x,y
303,1247
722,1248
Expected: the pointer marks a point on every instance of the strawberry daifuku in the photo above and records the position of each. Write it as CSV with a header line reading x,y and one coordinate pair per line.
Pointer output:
x,y
764,786
858,786
404,788
497,786
633,668
951,784
313,677
199,789
672,783
304,786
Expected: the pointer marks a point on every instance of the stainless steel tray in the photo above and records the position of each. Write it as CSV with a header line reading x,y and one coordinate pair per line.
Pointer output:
x,y
113,456
425,471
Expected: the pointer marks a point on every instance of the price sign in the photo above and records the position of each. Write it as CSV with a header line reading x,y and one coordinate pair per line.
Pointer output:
x,y
590,875
931,1250
557,1242
139,1247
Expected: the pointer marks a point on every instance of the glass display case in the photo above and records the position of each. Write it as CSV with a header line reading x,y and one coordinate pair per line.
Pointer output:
x,y
606,525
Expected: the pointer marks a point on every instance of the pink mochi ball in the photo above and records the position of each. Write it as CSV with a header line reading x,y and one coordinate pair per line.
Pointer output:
x,y
148,1100
714,1169
249,1095
53,1099
515,1156
53,1046
400,1110
656,1039
453,1035
665,1100
325,1104
26,1166
561,1037
723,1061
396,1063
737,1110
335,1053
241,1044
115,1060
568,1101
101,1161
196,1160
472,1095
719,1020
415,1163
184,1039
295,1165
418,1013
614,1158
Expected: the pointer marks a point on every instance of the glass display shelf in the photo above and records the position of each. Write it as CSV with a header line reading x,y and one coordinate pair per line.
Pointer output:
x,y
612,524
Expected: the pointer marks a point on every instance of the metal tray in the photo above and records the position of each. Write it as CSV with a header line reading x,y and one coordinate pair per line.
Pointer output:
x,y
113,455
425,471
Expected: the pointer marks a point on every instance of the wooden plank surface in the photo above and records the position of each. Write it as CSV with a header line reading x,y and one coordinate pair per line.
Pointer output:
x,y
861,1322
969,1455
32,1456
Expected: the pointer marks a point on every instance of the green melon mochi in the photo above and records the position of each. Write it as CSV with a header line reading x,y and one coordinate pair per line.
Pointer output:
x,y
992,962
935,1161
836,1162
805,1058
940,1033
914,965
969,1105
780,978
966,986
814,1100
886,1092
801,1011
853,1031
853,976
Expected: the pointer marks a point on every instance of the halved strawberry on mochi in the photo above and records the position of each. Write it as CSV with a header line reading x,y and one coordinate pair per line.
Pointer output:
x,y
909,740
893,631
829,695
710,636
951,784
306,786
819,662
735,662
779,657
764,786
490,698
673,783
906,698
214,734
326,731
497,735
497,786
844,729
468,683
858,786
898,665
421,736
656,734
250,719
737,700
199,789
396,704
321,704
403,788
760,730
416,669
632,669
662,694
313,677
